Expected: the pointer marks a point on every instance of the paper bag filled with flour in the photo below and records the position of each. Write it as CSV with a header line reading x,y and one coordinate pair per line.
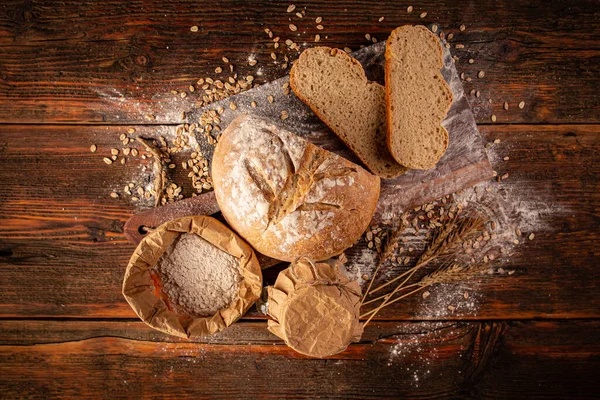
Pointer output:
x,y
192,276
315,308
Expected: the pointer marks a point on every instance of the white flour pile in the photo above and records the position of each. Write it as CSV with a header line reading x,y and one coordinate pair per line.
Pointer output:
x,y
198,278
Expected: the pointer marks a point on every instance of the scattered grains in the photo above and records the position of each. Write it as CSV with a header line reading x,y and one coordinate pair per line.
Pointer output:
x,y
107,160
521,105
505,176
496,141
506,105
450,36
320,27
114,195
381,19
462,28
318,20
460,46
253,104
426,294
434,28
270,99
531,236
367,36
114,152
423,15
93,148
284,115
293,27
291,8
493,118
409,9
506,158
481,74
471,61
194,28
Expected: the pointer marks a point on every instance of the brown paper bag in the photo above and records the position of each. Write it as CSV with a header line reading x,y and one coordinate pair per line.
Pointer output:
x,y
315,308
147,301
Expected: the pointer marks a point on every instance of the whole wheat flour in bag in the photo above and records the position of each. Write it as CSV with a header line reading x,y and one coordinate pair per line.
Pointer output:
x,y
198,278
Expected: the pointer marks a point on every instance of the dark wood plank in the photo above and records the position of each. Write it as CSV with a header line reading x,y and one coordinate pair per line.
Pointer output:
x,y
62,251
554,359
114,61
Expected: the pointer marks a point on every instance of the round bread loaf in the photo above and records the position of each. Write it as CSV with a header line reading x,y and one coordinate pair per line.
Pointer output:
x,y
288,197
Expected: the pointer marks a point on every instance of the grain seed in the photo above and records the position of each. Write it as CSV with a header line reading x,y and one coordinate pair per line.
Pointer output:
x,y
253,104
347,49
284,115
107,160
130,130
423,15
252,62
93,148
451,308
506,158
426,294
293,28
434,28
291,8
496,141
460,46
481,74
318,20
531,236
233,106
471,61
521,105
320,27
317,38
506,105
367,36
114,195
270,99
505,176
450,36
462,28
477,94
114,152
134,152
409,9
225,60
194,28
381,19
493,118
218,70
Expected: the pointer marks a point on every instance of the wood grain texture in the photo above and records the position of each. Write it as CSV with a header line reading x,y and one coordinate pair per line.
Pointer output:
x,y
63,253
554,359
115,62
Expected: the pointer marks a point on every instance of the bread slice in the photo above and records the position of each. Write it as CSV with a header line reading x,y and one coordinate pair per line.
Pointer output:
x,y
417,97
335,87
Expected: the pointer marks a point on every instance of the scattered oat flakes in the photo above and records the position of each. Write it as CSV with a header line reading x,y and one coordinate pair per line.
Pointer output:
x,y
317,38
496,141
471,61
434,28
114,195
270,99
505,106
274,56
460,46
93,148
194,28
299,15
367,36
506,158
462,28
451,308
381,19
426,294
291,8
409,9
318,20
521,105
284,115
493,118
466,295
253,104
481,74
293,27
423,15
531,236
505,176
450,36
347,49
107,160
320,27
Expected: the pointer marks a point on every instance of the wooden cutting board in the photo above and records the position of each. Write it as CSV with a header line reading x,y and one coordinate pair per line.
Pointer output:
x,y
464,164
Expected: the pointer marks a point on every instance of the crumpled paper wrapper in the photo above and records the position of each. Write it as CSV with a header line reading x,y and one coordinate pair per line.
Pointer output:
x,y
149,302
315,308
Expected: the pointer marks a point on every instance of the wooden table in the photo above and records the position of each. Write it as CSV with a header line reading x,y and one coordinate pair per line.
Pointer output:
x,y
73,73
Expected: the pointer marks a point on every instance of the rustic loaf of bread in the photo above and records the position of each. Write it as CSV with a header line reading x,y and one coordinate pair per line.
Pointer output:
x,y
335,87
288,197
417,97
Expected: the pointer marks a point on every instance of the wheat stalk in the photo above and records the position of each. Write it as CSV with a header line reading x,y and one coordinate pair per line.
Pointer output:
x,y
388,250
448,238
160,176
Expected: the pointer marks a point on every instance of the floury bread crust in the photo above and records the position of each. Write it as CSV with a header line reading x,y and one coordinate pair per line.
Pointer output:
x,y
335,87
288,197
417,97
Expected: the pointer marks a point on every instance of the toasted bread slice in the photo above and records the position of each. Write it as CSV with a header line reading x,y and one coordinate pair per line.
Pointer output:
x,y
417,97
335,87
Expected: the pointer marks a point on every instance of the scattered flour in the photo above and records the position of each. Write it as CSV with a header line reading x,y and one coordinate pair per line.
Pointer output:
x,y
198,278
